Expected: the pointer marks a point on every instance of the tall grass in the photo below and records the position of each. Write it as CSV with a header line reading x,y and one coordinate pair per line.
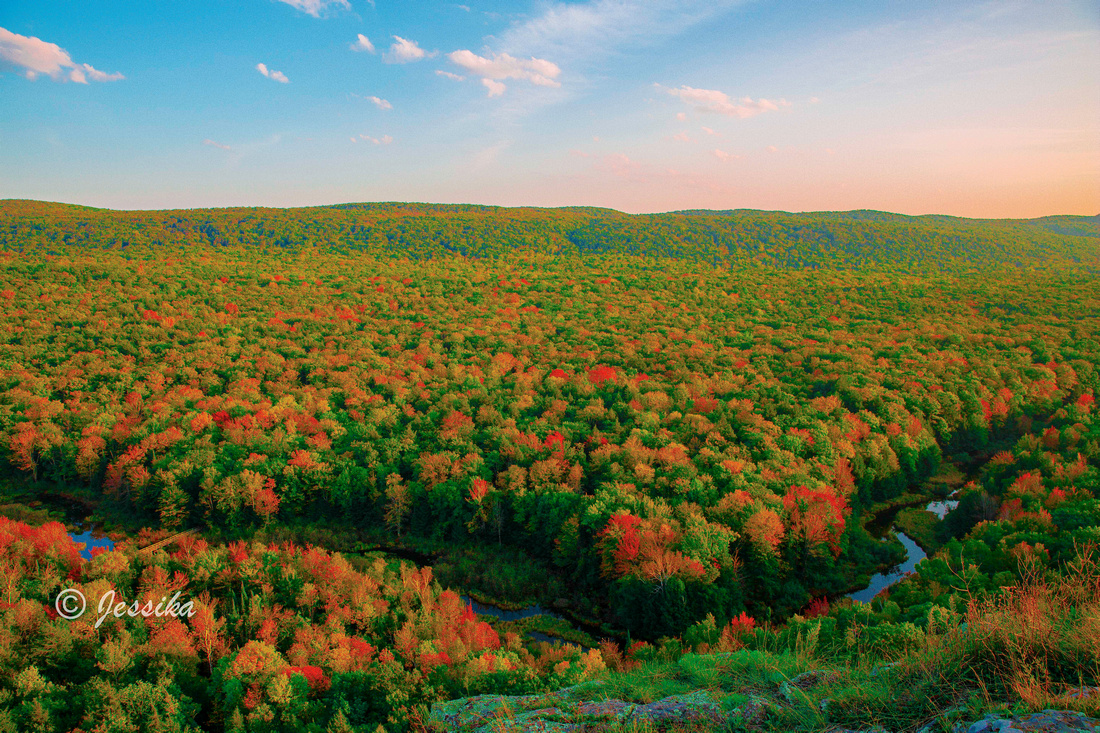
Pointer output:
x,y
1040,640
1023,649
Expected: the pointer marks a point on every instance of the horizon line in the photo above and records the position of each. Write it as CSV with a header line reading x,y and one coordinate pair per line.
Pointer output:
x,y
546,208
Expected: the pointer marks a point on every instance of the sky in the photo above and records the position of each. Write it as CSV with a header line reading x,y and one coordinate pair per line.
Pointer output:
x,y
980,109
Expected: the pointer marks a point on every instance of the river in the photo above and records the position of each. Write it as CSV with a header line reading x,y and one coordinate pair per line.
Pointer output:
x,y
913,552
92,536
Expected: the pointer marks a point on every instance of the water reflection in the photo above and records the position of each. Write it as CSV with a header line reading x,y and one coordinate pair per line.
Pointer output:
x,y
941,508
92,535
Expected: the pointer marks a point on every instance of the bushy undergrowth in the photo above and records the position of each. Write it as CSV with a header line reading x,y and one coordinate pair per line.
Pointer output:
x,y
1024,648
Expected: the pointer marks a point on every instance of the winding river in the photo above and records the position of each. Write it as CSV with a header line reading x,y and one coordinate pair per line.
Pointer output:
x,y
92,536
913,552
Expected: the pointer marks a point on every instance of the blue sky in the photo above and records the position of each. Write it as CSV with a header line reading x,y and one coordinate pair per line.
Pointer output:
x,y
985,109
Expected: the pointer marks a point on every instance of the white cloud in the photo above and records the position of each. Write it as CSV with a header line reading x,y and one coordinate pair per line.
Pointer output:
x,y
772,149
380,103
316,7
682,117
272,74
362,43
711,100
215,144
502,66
35,56
403,51
449,75
597,27
723,155
384,140
495,88
682,137
709,131
95,75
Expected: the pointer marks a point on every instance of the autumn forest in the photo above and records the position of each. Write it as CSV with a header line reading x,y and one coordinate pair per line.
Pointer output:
x,y
681,435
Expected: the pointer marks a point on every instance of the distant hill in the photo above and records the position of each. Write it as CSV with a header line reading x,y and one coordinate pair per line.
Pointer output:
x,y
845,240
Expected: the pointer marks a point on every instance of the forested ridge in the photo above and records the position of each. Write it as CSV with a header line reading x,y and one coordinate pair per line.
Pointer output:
x,y
824,239
679,422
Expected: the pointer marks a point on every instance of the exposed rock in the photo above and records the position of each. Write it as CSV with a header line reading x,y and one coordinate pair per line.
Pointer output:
x,y
697,707
883,668
568,711
815,677
556,712
754,712
1082,692
605,709
1048,721
806,681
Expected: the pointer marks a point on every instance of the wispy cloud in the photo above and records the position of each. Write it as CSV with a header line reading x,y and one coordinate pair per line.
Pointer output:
x,y
449,75
723,155
573,30
502,66
403,51
621,165
238,152
711,100
384,140
682,137
380,103
362,43
272,74
316,7
33,56
489,155
495,88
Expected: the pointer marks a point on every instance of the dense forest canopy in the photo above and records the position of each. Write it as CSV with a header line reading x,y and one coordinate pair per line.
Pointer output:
x,y
685,417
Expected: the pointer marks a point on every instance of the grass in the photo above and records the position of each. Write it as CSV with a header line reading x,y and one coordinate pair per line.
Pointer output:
x,y
1024,649
907,499
33,516
921,525
946,480
1040,639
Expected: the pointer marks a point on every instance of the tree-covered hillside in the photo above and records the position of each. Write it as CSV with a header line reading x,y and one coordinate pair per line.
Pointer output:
x,y
830,239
